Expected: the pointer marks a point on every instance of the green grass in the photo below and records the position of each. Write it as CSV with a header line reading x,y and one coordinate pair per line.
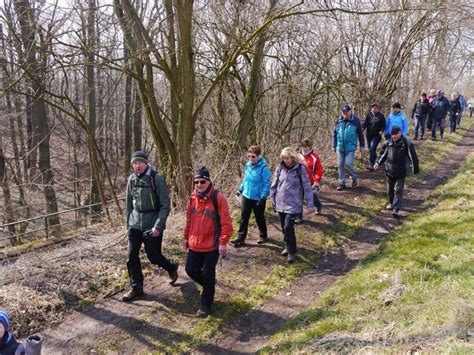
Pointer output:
x,y
433,256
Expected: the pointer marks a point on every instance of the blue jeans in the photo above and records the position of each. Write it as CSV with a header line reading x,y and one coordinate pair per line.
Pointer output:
x,y
420,125
441,122
373,143
345,161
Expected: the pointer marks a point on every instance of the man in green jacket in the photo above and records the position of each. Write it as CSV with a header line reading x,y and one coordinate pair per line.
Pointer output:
x,y
148,206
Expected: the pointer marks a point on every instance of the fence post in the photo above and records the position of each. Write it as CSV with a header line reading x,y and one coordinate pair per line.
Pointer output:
x,y
46,226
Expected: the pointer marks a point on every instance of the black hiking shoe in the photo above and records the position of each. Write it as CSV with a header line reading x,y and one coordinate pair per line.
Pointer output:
x,y
173,274
262,240
341,188
238,242
131,295
298,220
396,213
318,211
355,183
284,252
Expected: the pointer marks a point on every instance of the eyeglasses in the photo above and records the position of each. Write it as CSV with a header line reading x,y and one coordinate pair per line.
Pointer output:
x,y
251,156
199,182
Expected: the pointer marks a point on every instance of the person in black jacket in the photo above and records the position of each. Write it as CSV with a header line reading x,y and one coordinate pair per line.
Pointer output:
x,y
454,112
399,155
420,113
374,126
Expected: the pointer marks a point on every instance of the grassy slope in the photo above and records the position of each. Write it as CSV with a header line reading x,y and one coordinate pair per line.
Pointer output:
x,y
426,268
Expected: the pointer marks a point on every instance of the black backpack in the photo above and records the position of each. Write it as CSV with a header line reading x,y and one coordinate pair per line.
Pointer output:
x,y
152,174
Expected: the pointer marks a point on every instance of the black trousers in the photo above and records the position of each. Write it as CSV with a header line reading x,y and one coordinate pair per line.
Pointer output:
x,y
153,252
395,191
201,267
246,209
287,221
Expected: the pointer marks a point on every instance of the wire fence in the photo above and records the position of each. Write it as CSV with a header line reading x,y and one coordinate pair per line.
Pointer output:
x,y
40,226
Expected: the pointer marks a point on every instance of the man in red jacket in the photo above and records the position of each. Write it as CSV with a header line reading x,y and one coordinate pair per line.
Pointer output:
x,y
207,232
315,171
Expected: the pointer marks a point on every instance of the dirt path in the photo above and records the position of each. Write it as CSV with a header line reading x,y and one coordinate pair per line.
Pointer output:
x,y
164,316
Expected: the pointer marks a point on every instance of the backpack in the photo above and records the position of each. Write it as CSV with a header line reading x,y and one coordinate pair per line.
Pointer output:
x,y
152,174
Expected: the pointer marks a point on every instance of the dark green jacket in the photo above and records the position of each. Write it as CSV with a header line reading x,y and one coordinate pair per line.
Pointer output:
x,y
146,208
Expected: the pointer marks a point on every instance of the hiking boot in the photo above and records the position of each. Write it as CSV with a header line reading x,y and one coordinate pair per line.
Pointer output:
x,y
173,274
433,138
318,211
131,295
396,213
441,136
389,207
340,188
354,183
284,252
202,312
370,168
262,240
291,258
415,139
298,220
239,242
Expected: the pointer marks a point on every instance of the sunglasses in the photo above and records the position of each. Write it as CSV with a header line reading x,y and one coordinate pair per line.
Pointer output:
x,y
199,182
251,156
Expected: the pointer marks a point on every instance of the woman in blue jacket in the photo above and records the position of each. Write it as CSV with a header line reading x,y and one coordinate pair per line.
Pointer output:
x,y
396,118
254,191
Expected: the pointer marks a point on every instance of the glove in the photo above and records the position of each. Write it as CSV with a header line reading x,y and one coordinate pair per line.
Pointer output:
x,y
185,244
222,250
261,202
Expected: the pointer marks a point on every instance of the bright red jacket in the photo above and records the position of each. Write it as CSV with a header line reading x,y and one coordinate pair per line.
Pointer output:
x,y
200,231
313,166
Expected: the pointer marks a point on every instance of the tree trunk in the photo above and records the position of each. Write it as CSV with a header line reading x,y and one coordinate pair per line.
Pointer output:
x,y
247,119
92,109
34,73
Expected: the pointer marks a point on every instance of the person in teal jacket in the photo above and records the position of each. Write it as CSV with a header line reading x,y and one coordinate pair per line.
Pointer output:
x,y
346,133
396,118
254,191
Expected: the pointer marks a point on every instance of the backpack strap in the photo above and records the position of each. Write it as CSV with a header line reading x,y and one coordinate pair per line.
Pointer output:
x,y
216,207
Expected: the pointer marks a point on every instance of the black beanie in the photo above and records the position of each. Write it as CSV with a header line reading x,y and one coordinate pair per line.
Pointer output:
x,y
396,105
396,130
202,173
140,155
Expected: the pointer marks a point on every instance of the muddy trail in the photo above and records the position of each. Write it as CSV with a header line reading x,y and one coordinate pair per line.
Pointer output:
x,y
163,320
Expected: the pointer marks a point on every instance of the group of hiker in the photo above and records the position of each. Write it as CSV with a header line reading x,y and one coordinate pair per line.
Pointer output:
x,y
296,180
